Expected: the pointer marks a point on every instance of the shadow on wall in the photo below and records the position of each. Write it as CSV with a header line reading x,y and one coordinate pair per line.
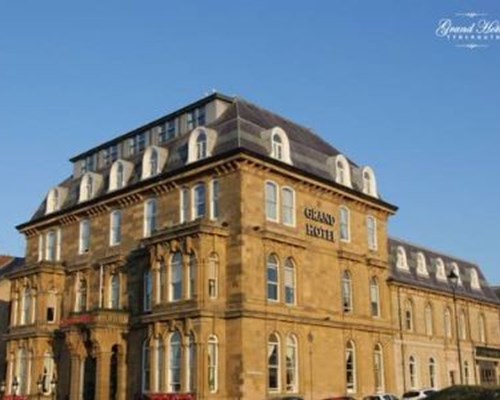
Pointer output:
x,y
4,326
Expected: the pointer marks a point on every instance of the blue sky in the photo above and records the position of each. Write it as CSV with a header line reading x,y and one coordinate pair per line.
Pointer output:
x,y
369,76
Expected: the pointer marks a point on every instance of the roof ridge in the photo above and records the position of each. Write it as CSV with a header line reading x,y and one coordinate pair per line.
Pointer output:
x,y
394,238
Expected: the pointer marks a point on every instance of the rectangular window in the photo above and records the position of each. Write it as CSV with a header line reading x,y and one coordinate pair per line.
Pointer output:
x,y
110,155
116,228
171,128
40,247
191,120
88,164
137,143
84,236
345,234
199,201
201,116
214,204
150,219
212,277
288,205
148,290
271,201
371,227
50,252
184,209
50,314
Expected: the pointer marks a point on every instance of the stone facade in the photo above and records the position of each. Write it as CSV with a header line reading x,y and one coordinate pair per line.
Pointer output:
x,y
244,280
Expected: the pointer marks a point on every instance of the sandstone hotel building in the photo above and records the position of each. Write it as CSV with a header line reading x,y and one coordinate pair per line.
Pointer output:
x,y
225,252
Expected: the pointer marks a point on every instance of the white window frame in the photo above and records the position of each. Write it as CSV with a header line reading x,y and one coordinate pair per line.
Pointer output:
x,y
174,386
184,205
273,345
199,200
350,350
215,199
345,224
371,228
150,217
176,261
84,242
213,363
115,231
272,203
292,367
290,275
275,265
374,297
288,208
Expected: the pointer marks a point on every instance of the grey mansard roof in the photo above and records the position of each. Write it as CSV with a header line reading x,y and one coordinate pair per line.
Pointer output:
x,y
411,277
239,128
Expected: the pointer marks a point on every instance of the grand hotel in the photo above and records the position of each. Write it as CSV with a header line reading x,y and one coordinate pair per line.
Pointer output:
x,y
225,252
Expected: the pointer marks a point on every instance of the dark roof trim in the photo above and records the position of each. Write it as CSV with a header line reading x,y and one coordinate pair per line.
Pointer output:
x,y
197,164
149,125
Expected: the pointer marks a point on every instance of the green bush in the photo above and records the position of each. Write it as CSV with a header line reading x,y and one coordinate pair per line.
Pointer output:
x,y
467,393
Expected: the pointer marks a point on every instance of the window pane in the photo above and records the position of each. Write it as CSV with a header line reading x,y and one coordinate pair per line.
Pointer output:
x,y
271,201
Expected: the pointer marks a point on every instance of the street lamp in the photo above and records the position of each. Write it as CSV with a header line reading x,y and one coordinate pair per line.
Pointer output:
x,y
453,278
15,385
3,386
39,385
53,385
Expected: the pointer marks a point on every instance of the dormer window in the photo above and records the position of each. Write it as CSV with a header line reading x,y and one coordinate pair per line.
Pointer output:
x,y
401,261
277,147
55,199
440,270
474,279
369,182
120,182
421,264
153,161
89,186
279,144
201,146
342,171
119,174
456,270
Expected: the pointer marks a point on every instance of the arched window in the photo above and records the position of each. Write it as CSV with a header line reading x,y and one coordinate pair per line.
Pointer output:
x,y
343,174
421,264
213,273
401,261
408,315
291,364
55,199
174,363
345,225
150,217
146,366
213,361
482,328
347,303
191,364
289,282
201,146
23,371
277,151
115,236
89,187
374,297
47,373
81,294
456,270
272,201
429,323
176,277
378,368
474,279
199,199
114,302
84,236
440,271
273,363
272,278
153,163
412,371
288,206
369,182
371,230
462,325
148,290
447,323
192,275
350,367
120,177
215,200
26,309
160,365
185,205
432,373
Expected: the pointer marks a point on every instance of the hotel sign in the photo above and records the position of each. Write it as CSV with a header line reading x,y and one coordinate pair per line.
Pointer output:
x,y
322,224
